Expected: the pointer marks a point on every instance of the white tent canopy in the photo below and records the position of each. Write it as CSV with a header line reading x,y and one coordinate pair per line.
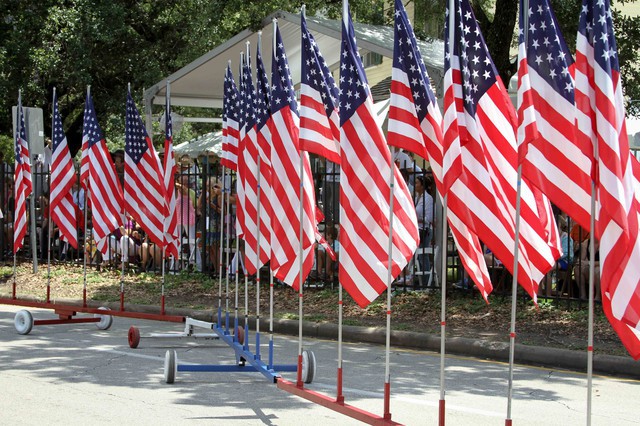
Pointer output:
x,y
200,83
211,143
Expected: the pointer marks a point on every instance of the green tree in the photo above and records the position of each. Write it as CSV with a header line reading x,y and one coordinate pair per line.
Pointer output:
x,y
109,43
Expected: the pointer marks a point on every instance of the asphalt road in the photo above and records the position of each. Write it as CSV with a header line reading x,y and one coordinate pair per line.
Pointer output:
x,y
77,374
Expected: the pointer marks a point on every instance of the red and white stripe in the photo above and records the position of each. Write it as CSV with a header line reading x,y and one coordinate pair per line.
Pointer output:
x,y
22,182
364,210
172,239
105,193
488,183
62,207
319,134
556,161
250,174
600,119
144,190
285,200
425,139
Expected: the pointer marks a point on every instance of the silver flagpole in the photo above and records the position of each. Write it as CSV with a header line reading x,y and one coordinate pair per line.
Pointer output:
x,y
164,249
15,191
237,255
84,258
443,309
514,299
516,253
443,255
592,257
53,125
246,275
220,263
387,369
258,223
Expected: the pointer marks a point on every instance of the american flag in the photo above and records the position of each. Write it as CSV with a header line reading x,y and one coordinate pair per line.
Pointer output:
x,y
243,111
286,159
230,129
601,120
263,115
414,125
319,121
549,152
479,113
22,179
98,174
62,208
144,190
365,188
171,237
248,174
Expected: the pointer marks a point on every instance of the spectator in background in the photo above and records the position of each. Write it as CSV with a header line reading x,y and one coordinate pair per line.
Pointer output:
x,y
186,202
331,191
210,200
585,262
118,162
424,212
327,267
408,167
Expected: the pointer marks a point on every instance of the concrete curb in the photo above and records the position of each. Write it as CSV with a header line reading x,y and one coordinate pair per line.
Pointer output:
x,y
499,351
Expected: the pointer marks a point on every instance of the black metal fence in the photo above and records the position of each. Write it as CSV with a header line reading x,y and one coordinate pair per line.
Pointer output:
x,y
201,189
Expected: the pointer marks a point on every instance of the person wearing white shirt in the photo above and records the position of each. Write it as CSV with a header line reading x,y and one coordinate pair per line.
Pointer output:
x,y
424,212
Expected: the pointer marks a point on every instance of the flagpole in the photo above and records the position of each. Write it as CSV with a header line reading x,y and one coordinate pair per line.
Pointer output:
x,y
387,370
592,257
514,298
84,258
122,248
236,257
15,191
166,161
443,305
222,211
53,125
258,222
246,274
227,231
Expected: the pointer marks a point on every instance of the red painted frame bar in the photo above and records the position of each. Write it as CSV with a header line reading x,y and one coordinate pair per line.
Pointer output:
x,y
84,309
333,404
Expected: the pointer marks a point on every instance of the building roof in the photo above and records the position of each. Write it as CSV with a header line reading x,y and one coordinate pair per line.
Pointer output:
x,y
200,83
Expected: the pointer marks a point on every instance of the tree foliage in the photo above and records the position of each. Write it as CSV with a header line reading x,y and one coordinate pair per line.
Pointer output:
x,y
109,43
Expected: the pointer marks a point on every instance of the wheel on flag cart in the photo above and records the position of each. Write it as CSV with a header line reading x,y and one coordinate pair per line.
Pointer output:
x,y
170,366
134,337
308,366
105,320
23,322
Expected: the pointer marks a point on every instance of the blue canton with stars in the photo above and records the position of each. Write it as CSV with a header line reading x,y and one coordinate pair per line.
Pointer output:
x,y
21,135
262,94
282,93
58,132
354,89
241,94
91,128
249,95
596,25
476,67
315,72
547,53
135,134
406,56
232,97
